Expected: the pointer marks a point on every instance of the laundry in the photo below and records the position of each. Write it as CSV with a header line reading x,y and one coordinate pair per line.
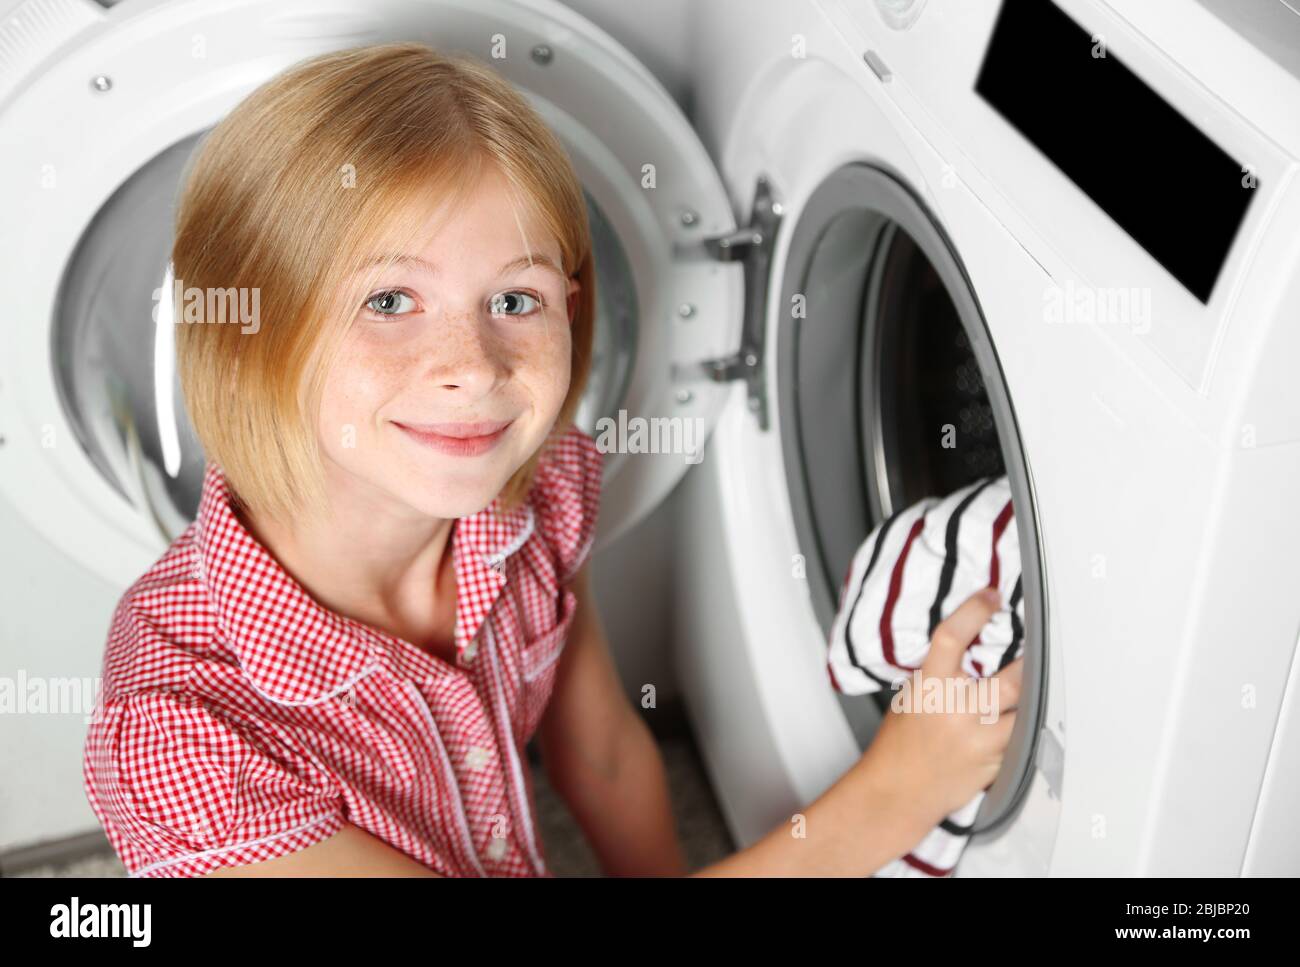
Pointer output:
x,y
912,571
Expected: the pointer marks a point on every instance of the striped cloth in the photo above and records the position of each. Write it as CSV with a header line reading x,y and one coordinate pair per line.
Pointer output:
x,y
910,573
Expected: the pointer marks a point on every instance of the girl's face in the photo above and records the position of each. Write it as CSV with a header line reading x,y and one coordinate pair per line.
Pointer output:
x,y
454,370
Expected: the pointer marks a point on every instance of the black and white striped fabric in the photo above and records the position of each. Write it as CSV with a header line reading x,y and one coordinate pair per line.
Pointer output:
x,y
910,573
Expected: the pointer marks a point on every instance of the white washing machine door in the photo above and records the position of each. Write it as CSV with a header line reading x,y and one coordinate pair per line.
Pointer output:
x,y
100,110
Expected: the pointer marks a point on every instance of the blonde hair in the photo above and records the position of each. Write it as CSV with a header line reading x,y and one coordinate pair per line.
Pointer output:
x,y
308,174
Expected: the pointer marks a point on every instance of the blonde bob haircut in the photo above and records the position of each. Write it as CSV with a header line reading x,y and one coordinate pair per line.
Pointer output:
x,y
344,156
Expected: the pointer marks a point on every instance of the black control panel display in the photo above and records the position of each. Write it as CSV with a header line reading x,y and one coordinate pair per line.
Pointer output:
x,y
1172,189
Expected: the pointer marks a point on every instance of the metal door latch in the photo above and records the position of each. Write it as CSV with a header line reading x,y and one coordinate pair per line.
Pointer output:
x,y
1051,761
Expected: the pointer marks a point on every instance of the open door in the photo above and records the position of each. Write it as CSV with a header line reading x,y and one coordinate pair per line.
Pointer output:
x,y
87,361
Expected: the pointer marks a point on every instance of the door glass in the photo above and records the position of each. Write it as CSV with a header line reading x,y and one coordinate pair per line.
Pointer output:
x,y
615,338
115,377
885,366
889,391
918,374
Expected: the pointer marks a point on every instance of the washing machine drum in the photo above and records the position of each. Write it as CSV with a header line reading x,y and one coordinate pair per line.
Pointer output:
x,y
884,400
889,390
125,405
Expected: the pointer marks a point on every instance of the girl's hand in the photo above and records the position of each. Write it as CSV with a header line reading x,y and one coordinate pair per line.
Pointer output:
x,y
938,760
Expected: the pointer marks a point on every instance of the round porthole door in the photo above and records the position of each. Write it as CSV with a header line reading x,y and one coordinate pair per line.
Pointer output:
x,y
98,455
890,352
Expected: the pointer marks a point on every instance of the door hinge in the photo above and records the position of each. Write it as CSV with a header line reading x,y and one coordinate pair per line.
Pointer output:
x,y
752,246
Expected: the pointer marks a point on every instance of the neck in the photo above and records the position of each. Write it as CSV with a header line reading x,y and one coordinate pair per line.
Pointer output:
x,y
368,559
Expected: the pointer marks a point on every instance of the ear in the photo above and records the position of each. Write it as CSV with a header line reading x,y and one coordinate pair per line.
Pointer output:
x,y
571,298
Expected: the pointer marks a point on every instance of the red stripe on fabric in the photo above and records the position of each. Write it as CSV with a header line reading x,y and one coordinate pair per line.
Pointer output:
x,y
895,583
926,868
999,528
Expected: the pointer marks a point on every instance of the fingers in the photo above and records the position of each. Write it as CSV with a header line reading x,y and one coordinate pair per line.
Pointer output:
x,y
1010,681
1002,728
954,633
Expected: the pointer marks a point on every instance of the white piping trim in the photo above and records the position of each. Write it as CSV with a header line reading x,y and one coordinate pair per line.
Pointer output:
x,y
461,820
555,654
529,525
163,864
521,801
368,670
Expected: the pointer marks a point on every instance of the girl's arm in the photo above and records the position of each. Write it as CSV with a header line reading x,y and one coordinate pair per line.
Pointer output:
x,y
602,759
920,767
853,829
349,852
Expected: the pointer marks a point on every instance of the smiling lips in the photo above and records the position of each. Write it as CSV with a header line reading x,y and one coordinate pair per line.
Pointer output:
x,y
457,439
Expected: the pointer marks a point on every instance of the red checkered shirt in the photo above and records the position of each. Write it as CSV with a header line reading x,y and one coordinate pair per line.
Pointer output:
x,y
240,720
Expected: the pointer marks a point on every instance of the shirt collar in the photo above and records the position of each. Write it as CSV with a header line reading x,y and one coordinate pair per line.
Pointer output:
x,y
482,545
297,652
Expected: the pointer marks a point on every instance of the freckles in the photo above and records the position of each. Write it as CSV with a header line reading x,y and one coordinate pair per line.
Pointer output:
x,y
365,379
547,364
543,351
459,333
377,370
390,370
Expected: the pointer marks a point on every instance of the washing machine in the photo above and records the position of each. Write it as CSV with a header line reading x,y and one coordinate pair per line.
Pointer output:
x,y
1065,235
844,163
101,107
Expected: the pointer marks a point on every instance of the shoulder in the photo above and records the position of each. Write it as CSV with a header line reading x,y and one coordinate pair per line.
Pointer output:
x,y
157,623
183,786
184,777
565,496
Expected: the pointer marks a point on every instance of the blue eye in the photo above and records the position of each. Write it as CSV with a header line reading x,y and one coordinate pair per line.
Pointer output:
x,y
513,303
390,303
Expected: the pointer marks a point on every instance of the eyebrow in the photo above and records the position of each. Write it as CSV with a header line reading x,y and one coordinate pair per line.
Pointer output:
x,y
515,264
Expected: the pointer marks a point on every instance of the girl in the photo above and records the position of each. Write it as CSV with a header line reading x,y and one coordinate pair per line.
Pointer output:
x,y
383,596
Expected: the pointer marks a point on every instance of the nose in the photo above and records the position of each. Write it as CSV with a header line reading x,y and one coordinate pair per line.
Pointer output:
x,y
467,359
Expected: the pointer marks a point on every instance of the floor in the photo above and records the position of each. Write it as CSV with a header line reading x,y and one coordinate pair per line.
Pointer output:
x,y
700,825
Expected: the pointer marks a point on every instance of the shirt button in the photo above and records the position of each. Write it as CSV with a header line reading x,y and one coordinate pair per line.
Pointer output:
x,y
470,649
478,757
497,848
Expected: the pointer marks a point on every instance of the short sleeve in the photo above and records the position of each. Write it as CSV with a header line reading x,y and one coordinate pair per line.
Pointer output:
x,y
182,789
566,498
